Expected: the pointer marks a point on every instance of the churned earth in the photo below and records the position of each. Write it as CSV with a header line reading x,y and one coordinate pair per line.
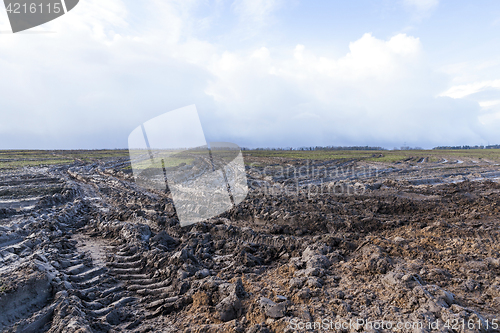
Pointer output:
x,y
316,243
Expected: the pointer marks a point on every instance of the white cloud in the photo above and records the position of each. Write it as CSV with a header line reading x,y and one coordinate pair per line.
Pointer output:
x,y
369,59
254,16
256,11
464,90
262,53
109,68
422,5
481,92
489,104
375,94
86,84
306,115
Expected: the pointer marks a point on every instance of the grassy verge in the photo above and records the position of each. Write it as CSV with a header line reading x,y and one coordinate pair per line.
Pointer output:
x,y
23,163
12,159
390,156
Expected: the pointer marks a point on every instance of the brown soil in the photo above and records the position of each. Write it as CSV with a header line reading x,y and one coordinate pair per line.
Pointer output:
x,y
83,249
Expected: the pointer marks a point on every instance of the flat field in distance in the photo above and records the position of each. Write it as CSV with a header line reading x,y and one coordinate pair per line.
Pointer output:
x,y
11,159
381,155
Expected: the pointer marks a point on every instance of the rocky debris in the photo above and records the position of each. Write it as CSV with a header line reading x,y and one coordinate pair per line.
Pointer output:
x,y
164,241
296,283
272,309
229,308
280,298
258,329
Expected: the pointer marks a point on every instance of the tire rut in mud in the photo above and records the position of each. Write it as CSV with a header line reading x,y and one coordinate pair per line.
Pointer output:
x,y
103,255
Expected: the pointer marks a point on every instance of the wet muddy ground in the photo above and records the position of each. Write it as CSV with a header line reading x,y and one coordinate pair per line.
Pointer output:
x,y
84,249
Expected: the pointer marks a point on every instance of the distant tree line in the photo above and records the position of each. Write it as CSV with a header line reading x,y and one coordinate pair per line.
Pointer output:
x,y
332,148
408,148
469,147
319,148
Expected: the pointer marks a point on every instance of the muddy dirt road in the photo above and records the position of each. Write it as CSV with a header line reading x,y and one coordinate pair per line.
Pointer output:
x,y
84,249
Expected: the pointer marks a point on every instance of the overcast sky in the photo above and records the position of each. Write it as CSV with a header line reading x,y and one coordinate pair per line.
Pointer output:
x,y
261,73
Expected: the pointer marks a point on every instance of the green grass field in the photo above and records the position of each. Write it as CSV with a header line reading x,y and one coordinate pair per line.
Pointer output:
x,y
381,155
11,159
